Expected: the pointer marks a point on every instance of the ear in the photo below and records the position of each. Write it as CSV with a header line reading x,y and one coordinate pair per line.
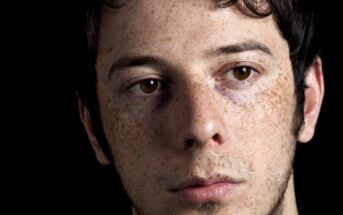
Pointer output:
x,y
313,100
88,125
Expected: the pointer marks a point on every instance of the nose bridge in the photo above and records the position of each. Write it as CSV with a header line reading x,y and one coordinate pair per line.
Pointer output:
x,y
201,119
199,101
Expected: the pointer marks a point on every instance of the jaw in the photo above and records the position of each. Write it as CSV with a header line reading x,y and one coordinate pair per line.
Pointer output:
x,y
286,204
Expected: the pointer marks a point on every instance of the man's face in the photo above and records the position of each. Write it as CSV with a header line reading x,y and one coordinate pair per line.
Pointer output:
x,y
197,103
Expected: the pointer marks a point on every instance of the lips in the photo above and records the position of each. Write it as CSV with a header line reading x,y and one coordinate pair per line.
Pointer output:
x,y
202,190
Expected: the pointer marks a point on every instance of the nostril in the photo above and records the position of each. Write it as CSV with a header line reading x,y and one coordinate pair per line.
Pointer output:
x,y
189,143
217,138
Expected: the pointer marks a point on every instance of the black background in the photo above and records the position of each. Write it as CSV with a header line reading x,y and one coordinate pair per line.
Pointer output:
x,y
52,163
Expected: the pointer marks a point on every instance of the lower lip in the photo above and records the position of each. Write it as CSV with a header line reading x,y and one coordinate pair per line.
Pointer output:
x,y
206,193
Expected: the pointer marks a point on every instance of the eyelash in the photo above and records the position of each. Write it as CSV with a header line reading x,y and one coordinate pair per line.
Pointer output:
x,y
226,3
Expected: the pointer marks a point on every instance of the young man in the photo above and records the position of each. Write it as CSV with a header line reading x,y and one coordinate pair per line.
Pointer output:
x,y
199,103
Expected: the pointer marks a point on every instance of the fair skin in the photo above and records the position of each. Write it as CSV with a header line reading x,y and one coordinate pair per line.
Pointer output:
x,y
184,114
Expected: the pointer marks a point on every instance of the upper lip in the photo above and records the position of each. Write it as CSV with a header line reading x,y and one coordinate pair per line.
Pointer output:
x,y
206,181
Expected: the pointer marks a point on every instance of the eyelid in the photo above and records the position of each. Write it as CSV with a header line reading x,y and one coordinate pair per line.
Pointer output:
x,y
138,78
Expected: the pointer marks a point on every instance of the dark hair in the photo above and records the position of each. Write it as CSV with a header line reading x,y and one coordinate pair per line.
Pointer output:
x,y
297,21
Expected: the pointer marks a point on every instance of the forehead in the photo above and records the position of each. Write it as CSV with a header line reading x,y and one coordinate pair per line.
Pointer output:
x,y
174,26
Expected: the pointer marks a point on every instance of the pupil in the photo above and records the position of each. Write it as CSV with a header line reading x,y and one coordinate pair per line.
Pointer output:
x,y
242,73
243,70
149,86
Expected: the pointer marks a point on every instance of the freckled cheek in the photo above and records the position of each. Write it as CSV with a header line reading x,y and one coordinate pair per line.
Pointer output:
x,y
266,118
263,139
132,132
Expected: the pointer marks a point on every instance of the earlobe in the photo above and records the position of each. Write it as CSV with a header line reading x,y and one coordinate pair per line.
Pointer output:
x,y
313,100
88,125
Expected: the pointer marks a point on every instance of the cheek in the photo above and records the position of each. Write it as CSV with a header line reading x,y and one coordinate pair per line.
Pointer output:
x,y
269,118
277,106
136,141
132,132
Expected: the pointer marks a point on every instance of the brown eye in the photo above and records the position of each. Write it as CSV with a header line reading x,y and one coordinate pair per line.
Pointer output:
x,y
149,85
240,76
242,73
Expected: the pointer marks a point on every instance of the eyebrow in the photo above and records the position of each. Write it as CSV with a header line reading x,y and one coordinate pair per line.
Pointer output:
x,y
154,61
245,46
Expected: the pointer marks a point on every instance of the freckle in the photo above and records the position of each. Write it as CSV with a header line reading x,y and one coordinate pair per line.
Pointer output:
x,y
123,27
152,11
110,49
139,125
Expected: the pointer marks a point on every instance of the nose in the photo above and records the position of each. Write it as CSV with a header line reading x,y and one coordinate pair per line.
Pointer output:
x,y
199,119
202,133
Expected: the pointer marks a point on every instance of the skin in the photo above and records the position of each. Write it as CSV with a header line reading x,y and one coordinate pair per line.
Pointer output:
x,y
203,121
